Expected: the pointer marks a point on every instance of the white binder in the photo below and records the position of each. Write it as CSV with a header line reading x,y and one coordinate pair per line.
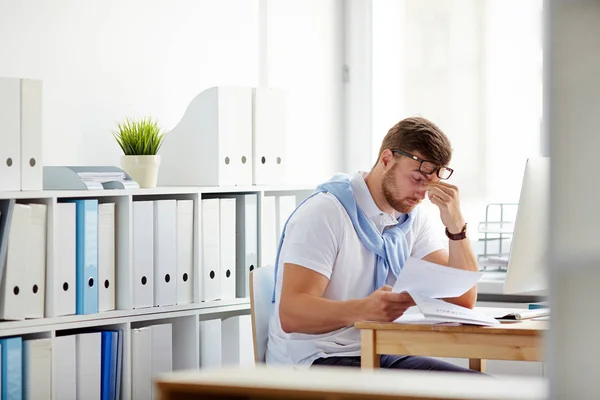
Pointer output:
x,y
106,257
237,345
35,270
37,369
143,254
246,251
141,363
13,300
31,135
211,271
10,134
89,352
268,239
165,252
227,211
64,367
162,351
210,344
60,272
209,147
185,251
269,132
285,206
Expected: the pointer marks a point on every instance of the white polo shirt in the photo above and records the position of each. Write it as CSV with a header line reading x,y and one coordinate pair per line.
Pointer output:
x,y
320,236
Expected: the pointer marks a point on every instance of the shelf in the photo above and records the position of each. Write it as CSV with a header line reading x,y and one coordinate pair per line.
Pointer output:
x,y
162,190
13,328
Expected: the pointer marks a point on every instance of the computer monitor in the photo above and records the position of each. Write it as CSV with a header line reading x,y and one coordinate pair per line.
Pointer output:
x,y
527,264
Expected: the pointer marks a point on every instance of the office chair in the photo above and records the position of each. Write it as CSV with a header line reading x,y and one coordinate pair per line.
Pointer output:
x,y
261,308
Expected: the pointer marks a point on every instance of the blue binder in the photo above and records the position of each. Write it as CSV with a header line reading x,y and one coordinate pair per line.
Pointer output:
x,y
86,290
109,365
12,368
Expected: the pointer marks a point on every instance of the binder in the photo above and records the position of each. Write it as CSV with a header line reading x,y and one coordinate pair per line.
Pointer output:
x,y
185,251
10,134
6,207
37,369
106,257
89,360
246,250
165,252
64,367
268,238
143,254
268,136
237,345
12,371
141,363
119,377
227,246
61,271
13,299
108,373
285,207
162,352
208,147
211,271
35,270
86,274
210,344
31,135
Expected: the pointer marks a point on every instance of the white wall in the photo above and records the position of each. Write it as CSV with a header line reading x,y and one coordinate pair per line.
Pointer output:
x,y
104,60
305,56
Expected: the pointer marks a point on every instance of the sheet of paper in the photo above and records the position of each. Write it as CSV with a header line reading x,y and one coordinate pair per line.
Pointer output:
x,y
433,280
435,308
419,319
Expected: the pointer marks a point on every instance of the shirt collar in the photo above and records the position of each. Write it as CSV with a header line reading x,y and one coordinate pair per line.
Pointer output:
x,y
364,199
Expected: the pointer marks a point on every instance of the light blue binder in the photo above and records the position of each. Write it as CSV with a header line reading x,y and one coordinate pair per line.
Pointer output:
x,y
12,368
86,291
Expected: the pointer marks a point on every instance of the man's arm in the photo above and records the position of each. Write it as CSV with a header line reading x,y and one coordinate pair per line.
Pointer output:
x,y
302,308
460,254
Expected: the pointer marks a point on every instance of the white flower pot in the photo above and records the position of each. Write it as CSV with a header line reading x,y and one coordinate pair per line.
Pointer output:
x,y
142,169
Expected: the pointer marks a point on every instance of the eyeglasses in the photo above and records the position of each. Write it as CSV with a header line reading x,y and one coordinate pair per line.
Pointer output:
x,y
428,167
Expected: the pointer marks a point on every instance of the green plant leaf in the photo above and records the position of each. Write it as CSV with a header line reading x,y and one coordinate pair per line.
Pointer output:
x,y
139,137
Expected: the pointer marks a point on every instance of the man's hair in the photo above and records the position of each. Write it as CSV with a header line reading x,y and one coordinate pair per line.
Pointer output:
x,y
416,134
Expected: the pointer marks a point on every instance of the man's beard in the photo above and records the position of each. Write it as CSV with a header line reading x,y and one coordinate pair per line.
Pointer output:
x,y
388,184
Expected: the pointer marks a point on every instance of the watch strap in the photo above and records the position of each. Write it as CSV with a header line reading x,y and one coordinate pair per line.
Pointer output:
x,y
457,236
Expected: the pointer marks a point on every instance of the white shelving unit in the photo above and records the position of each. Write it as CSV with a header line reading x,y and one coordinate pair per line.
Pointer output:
x,y
185,318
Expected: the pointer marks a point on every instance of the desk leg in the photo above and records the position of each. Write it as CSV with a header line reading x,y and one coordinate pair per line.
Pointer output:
x,y
477,364
369,358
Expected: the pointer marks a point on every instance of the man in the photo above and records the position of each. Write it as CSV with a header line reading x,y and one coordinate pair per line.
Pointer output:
x,y
343,247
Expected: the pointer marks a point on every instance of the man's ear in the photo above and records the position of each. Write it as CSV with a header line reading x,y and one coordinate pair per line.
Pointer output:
x,y
387,157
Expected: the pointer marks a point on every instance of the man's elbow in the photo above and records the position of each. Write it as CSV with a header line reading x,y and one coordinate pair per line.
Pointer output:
x,y
288,322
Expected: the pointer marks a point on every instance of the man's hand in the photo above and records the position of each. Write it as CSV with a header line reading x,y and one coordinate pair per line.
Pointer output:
x,y
445,196
385,306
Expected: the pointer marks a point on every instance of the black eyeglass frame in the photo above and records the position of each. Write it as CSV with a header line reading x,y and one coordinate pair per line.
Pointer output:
x,y
421,161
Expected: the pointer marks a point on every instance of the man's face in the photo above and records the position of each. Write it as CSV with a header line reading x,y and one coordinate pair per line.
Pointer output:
x,y
403,185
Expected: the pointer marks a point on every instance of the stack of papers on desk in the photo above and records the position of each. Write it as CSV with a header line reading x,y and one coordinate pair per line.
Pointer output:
x,y
427,283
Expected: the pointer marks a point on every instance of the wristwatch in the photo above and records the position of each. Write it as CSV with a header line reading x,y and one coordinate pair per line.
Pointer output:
x,y
457,236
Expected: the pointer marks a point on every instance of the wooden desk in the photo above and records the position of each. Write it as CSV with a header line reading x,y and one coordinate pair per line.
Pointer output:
x,y
335,383
508,341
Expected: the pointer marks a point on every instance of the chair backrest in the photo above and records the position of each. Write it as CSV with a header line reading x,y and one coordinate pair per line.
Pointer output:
x,y
261,282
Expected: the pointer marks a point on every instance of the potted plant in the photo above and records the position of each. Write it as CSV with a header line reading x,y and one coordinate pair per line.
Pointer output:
x,y
140,141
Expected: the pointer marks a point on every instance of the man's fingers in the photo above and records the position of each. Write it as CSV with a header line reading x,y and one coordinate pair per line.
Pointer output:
x,y
437,192
400,297
450,190
386,288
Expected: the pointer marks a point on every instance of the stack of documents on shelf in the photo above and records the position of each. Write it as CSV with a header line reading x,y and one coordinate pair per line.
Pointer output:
x,y
427,283
102,177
